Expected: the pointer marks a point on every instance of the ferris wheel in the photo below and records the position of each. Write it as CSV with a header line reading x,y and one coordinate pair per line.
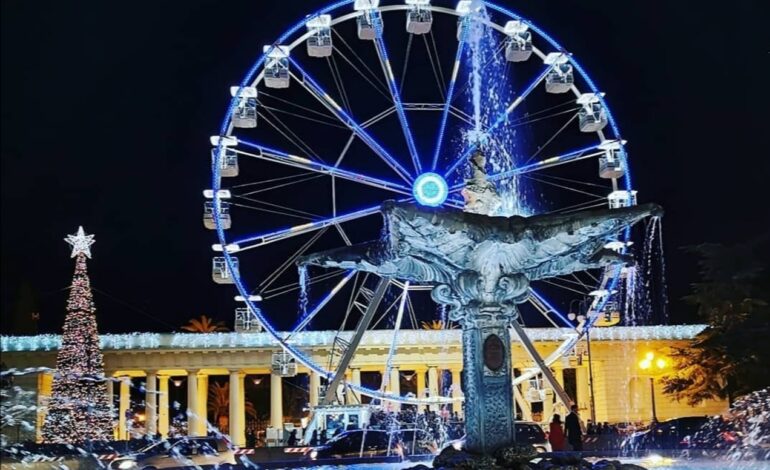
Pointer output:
x,y
348,108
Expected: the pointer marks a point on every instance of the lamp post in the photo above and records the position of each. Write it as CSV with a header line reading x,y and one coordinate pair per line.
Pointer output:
x,y
582,308
653,366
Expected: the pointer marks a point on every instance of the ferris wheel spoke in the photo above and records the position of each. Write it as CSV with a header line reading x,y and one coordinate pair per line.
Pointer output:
x,y
449,96
309,317
309,84
278,156
562,186
575,155
499,120
255,241
545,307
382,54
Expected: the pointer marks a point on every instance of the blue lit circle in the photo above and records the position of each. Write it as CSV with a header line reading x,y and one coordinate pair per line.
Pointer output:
x,y
430,189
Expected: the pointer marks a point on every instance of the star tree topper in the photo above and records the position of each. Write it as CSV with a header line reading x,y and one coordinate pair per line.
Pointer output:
x,y
81,243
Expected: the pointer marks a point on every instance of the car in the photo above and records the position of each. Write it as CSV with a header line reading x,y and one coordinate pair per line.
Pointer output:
x,y
416,442
193,451
671,434
358,443
531,433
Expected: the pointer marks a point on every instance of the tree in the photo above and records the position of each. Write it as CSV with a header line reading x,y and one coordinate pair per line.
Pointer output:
x,y
204,324
437,325
79,410
730,357
219,405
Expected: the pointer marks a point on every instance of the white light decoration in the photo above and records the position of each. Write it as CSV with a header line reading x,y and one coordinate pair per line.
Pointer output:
x,y
81,243
140,341
430,189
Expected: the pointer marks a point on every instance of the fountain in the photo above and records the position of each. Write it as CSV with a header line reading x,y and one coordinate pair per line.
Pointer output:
x,y
481,267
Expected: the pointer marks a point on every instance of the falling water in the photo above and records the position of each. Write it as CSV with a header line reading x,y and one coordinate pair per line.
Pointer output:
x,y
303,290
491,93
476,35
662,266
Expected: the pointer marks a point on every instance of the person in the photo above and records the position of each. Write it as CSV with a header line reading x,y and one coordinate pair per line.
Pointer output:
x,y
556,434
573,430
314,438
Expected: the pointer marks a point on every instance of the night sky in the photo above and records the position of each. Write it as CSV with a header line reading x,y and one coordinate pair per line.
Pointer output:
x,y
107,108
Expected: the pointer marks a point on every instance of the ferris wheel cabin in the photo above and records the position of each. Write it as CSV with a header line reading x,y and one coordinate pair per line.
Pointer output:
x,y
592,117
370,19
228,159
276,66
224,215
245,113
419,17
319,44
561,77
610,164
621,198
220,273
519,44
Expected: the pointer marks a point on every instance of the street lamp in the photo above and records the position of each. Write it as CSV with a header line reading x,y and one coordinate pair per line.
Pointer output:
x,y
653,366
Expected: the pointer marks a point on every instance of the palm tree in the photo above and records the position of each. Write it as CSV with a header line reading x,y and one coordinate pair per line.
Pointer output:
x,y
219,405
437,325
204,324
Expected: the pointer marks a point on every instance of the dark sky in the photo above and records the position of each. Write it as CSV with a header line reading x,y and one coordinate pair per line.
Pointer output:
x,y
106,109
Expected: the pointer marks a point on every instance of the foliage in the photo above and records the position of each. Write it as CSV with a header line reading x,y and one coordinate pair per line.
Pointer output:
x,y
437,325
730,357
78,409
204,324
219,404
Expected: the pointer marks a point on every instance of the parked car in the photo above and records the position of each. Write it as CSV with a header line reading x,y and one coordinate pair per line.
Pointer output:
x,y
193,451
359,443
532,433
416,442
671,434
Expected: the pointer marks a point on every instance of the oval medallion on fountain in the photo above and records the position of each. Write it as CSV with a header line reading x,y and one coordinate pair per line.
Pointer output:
x,y
493,353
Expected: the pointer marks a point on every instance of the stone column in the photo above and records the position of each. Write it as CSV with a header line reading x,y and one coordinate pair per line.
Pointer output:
x,y
457,391
163,405
355,379
394,384
487,389
548,406
125,400
236,419
314,386
583,393
420,373
151,404
192,404
202,405
44,388
433,386
276,402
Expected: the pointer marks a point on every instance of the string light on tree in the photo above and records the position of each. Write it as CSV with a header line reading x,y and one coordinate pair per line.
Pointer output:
x,y
79,409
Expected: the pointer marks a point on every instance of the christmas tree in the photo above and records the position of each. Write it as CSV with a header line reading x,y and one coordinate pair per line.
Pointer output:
x,y
79,409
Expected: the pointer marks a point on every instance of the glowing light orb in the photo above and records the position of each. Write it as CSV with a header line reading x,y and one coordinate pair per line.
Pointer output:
x,y
430,189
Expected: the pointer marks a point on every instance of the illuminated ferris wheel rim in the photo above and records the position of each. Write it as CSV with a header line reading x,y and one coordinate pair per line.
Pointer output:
x,y
608,282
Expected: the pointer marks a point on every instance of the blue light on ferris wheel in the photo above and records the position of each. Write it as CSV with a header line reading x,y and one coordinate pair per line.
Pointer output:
x,y
430,189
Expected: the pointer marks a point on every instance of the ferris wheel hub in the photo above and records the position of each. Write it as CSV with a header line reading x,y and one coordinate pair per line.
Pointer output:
x,y
430,189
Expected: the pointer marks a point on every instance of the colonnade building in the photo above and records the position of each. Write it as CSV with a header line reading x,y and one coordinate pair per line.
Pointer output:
x,y
613,389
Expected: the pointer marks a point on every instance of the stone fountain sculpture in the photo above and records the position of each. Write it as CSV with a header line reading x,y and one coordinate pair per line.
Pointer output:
x,y
481,266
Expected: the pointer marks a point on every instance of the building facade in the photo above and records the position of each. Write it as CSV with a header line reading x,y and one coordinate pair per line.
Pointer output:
x,y
622,390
